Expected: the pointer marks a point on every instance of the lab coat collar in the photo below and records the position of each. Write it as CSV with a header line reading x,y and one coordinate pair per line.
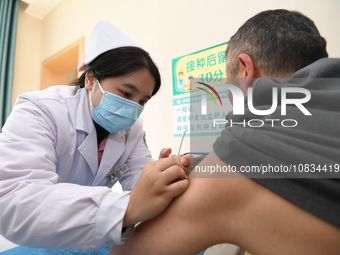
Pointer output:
x,y
114,149
84,120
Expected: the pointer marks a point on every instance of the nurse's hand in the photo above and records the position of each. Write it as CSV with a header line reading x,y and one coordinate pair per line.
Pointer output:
x,y
165,153
159,183
186,160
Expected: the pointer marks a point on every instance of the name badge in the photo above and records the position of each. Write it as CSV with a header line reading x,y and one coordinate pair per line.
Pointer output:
x,y
118,173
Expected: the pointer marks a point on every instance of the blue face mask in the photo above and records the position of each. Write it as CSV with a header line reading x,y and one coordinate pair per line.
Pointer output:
x,y
115,113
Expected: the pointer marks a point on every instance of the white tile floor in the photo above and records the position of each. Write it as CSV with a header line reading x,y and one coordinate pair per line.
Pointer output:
x,y
5,244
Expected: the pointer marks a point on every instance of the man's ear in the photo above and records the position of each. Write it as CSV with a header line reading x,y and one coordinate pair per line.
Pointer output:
x,y
246,68
89,80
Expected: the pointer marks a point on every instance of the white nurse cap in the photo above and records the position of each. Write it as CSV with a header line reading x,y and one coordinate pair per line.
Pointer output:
x,y
105,37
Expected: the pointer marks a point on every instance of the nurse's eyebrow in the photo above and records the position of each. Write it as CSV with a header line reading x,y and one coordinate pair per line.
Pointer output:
x,y
134,88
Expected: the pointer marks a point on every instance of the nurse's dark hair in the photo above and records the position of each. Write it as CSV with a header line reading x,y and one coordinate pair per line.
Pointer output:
x,y
118,62
280,41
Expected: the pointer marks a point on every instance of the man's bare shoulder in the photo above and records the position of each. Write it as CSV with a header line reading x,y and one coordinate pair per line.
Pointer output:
x,y
236,210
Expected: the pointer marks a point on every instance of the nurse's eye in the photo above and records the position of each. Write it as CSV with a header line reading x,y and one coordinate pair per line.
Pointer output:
x,y
142,103
125,94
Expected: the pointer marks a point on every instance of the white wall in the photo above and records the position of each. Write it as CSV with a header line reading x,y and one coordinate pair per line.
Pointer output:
x,y
170,29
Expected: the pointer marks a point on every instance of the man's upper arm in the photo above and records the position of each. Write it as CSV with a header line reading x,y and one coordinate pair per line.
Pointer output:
x,y
234,210
177,227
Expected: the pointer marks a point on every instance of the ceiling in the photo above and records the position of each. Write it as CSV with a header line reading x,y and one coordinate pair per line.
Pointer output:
x,y
40,8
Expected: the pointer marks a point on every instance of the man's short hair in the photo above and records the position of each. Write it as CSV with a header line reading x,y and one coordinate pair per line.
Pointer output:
x,y
279,41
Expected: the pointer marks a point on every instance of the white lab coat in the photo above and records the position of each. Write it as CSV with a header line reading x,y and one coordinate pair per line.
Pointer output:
x,y
49,167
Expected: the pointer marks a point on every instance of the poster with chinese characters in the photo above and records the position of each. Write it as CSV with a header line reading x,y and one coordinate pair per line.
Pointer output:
x,y
200,102
199,114
208,65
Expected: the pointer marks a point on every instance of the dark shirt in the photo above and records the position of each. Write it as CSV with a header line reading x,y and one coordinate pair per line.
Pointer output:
x,y
314,141
101,133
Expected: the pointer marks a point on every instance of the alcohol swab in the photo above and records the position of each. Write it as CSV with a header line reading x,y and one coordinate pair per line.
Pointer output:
x,y
184,131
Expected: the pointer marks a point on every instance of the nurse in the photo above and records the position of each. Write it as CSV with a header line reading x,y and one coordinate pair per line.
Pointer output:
x,y
63,148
